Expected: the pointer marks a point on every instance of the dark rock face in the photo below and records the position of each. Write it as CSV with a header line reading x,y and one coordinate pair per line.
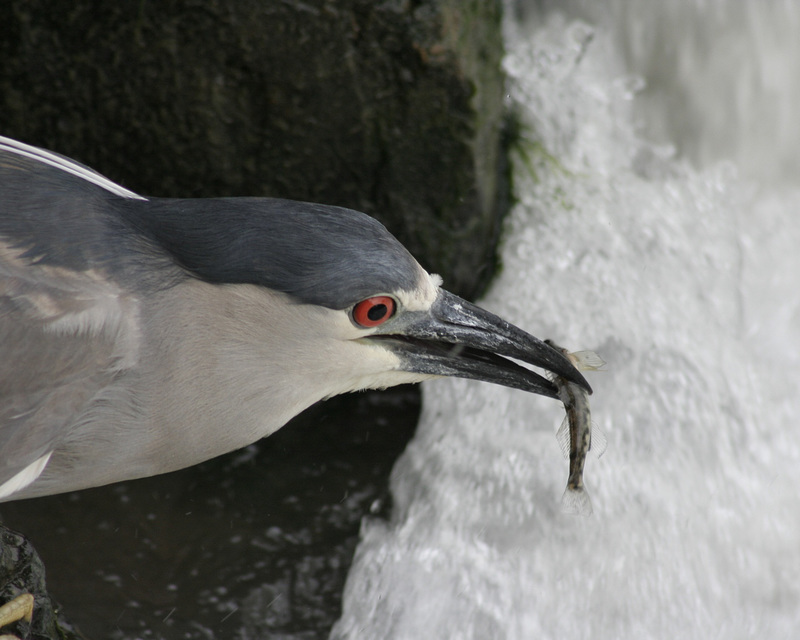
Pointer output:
x,y
392,108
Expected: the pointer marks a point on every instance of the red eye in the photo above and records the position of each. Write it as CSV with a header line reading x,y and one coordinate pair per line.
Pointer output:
x,y
374,311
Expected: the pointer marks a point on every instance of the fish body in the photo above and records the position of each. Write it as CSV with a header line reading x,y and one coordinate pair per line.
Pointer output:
x,y
575,433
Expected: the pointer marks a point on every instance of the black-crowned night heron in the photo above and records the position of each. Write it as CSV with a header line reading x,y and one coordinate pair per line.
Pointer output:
x,y
142,335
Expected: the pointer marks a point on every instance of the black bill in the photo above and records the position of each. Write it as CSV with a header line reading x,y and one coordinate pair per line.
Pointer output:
x,y
457,338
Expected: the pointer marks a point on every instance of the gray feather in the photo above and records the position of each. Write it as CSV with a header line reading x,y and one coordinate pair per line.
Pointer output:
x,y
323,255
47,376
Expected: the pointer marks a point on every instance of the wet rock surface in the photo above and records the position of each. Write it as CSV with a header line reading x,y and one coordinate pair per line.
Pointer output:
x,y
22,571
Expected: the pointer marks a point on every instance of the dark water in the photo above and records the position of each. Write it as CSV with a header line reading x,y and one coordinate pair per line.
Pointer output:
x,y
255,544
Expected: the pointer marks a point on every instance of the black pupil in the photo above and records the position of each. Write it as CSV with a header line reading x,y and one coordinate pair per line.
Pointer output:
x,y
377,312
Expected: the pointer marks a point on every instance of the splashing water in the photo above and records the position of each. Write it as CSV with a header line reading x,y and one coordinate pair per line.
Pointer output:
x,y
685,281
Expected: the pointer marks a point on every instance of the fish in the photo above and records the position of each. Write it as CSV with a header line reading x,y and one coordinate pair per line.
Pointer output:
x,y
575,434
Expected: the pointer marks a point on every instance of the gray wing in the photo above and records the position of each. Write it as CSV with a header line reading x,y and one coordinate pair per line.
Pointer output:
x,y
66,328
64,335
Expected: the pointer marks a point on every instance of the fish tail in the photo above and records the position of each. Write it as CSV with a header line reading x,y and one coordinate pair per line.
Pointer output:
x,y
576,502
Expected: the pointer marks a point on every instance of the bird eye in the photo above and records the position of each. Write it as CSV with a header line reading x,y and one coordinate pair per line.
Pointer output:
x,y
374,311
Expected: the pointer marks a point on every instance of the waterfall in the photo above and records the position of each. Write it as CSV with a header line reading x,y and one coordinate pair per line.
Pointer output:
x,y
657,223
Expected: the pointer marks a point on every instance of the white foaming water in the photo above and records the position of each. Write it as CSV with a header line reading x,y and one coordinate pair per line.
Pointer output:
x,y
685,281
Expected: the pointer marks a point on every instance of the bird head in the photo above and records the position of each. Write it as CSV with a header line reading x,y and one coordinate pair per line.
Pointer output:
x,y
369,310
